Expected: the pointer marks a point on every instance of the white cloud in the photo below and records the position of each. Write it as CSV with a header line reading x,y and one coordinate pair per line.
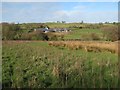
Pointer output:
x,y
37,12
79,13
41,13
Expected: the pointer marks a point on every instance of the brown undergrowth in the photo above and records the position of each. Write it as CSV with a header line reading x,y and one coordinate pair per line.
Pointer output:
x,y
89,46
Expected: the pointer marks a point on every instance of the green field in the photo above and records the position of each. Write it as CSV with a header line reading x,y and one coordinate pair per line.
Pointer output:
x,y
77,33
63,25
36,64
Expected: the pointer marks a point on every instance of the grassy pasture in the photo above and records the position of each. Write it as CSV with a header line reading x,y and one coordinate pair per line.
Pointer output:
x,y
77,33
37,64
63,25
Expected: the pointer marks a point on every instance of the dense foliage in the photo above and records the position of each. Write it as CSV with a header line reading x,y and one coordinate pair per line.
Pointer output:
x,y
9,31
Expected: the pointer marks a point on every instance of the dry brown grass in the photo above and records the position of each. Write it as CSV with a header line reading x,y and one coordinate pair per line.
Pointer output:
x,y
60,33
89,46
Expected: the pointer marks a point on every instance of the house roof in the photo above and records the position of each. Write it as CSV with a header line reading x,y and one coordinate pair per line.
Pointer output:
x,y
42,29
52,29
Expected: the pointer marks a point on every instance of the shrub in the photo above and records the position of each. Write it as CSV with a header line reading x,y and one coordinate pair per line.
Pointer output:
x,y
110,33
52,37
17,37
91,36
9,31
34,36
94,36
93,26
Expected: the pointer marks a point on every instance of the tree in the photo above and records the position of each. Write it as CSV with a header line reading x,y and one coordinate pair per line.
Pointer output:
x,y
58,21
63,21
114,22
106,22
82,22
9,31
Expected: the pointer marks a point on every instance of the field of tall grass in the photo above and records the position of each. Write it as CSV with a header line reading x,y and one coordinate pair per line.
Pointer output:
x,y
89,46
38,64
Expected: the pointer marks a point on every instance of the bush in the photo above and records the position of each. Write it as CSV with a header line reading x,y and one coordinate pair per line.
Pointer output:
x,y
94,36
34,36
52,37
110,33
91,36
9,31
93,26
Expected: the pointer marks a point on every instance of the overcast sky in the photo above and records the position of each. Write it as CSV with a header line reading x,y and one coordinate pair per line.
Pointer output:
x,y
60,11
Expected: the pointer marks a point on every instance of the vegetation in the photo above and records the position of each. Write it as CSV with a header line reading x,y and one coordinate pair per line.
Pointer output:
x,y
80,31
88,46
111,33
9,31
34,59
38,35
20,32
38,65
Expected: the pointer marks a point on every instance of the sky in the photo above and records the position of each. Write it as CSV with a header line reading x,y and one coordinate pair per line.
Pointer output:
x,y
89,12
60,0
